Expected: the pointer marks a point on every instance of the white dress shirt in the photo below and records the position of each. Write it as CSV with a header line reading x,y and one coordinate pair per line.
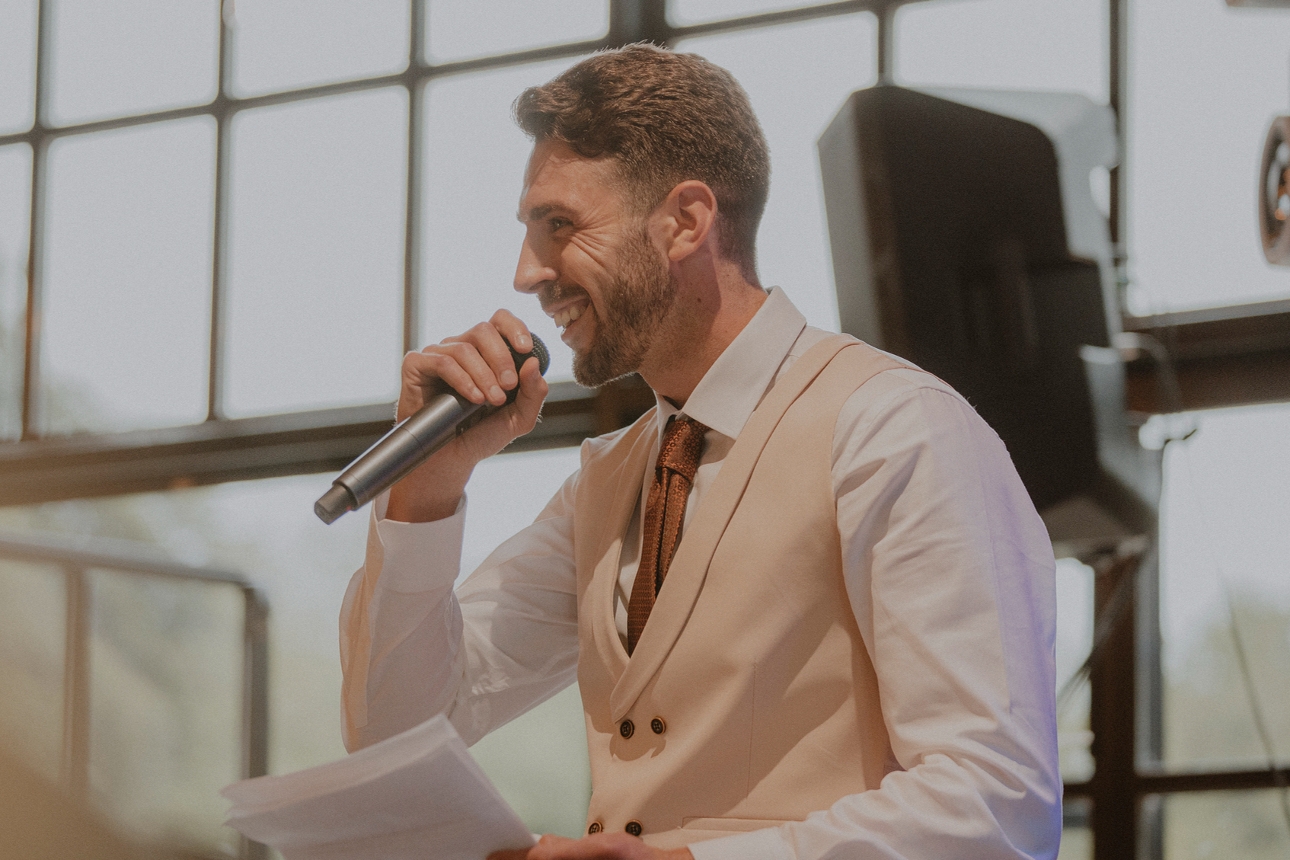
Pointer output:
x,y
508,638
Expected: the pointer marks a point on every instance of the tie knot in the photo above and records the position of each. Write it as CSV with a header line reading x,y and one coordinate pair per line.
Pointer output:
x,y
682,446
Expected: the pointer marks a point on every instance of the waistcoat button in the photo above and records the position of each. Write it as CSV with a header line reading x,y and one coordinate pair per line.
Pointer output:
x,y
658,725
595,827
634,827
626,728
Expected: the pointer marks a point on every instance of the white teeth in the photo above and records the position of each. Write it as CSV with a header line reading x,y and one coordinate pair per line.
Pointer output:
x,y
564,317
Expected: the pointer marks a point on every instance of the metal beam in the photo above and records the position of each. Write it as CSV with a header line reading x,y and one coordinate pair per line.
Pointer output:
x,y
247,448
1231,356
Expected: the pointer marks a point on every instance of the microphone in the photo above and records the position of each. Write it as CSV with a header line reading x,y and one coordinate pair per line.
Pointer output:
x,y
411,441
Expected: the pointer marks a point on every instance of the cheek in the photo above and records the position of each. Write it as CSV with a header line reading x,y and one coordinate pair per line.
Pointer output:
x,y
589,252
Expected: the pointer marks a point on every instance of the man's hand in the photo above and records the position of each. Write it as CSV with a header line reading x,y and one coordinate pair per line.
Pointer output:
x,y
601,846
478,366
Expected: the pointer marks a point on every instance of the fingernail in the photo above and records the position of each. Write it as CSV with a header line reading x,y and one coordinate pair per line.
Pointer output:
x,y
523,343
496,393
509,379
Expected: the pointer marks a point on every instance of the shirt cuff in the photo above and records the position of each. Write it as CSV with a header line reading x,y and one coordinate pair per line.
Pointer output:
x,y
768,844
418,556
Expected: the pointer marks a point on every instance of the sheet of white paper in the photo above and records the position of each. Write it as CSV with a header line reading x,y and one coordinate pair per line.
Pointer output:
x,y
416,795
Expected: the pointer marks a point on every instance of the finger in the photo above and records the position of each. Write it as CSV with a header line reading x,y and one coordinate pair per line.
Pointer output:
x,y
437,368
514,330
468,352
533,389
494,348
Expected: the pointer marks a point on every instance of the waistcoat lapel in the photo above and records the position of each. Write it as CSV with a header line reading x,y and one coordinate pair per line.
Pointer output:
x,y
689,566
599,598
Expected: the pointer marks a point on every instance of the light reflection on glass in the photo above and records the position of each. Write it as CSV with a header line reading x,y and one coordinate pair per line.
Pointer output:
x,y
18,66
131,56
460,29
316,253
285,44
127,277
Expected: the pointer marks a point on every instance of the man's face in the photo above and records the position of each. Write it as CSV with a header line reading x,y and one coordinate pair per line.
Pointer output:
x,y
588,257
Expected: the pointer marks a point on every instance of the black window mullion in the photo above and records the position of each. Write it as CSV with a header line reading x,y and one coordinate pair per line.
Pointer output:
x,y
414,81
221,110
36,232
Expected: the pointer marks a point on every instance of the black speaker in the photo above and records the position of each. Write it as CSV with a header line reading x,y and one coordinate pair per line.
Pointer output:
x,y
949,249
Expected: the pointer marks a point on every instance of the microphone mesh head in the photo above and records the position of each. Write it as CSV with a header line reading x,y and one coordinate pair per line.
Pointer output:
x,y
543,357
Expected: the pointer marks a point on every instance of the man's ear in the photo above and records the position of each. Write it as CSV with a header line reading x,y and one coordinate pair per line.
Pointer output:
x,y
686,220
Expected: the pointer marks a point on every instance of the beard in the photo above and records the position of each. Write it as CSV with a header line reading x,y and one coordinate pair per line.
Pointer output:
x,y
630,315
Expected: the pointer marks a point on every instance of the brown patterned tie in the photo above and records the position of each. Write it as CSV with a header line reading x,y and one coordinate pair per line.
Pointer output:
x,y
678,459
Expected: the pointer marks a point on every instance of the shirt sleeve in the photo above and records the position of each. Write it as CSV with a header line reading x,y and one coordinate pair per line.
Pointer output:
x,y
504,641
950,575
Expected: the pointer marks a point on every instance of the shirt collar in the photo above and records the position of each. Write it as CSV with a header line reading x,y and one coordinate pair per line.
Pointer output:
x,y
731,389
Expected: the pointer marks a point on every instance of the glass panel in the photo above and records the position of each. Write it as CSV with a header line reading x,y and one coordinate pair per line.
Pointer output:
x,y
267,530
165,705
683,12
1251,825
17,65
316,253
131,56
470,240
127,277
1074,639
1205,80
1227,491
15,214
284,44
458,29
1077,836
797,77
32,624
1005,44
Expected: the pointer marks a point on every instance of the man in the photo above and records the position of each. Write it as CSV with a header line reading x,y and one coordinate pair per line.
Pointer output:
x,y
848,654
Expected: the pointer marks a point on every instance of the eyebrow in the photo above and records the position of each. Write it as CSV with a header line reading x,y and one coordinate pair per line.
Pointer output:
x,y
537,213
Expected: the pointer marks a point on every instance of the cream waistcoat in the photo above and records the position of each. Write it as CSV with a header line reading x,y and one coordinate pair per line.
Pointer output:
x,y
750,699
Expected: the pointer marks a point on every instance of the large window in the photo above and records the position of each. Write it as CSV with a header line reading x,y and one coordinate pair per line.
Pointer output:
x,y
227,220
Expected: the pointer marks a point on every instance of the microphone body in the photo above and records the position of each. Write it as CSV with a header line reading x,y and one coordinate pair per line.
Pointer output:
x,y
410,443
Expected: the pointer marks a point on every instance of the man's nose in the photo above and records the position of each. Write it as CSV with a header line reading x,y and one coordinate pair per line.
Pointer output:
x,y
532,272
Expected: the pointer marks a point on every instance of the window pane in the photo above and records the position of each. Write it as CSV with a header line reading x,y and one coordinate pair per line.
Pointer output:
x,y
797,77
127,277
1077,841
131,56
32,613
1205,80
17,65
1004,44
1074,639
165,705
470,240
1245,824
316,253
1227,491
682,12
283,44
457,29
267,531
15,212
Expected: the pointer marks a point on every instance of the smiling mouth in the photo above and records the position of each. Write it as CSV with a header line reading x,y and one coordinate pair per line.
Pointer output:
x,y
567,315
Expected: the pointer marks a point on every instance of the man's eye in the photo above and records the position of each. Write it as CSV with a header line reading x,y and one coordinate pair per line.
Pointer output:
x,y
557,224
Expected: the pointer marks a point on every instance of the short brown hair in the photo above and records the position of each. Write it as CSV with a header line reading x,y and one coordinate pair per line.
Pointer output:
x,y
665,117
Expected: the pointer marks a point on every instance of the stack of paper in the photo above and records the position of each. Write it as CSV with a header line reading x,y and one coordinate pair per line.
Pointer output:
x,y
418,794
